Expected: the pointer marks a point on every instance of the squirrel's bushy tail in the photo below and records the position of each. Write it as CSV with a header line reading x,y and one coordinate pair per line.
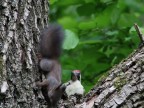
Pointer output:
x,y
51,39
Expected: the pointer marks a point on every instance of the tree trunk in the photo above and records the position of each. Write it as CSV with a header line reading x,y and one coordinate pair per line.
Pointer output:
x,y
20,24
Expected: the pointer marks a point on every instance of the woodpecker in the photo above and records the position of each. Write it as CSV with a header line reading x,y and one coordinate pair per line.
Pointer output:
x,y
76,75
74,86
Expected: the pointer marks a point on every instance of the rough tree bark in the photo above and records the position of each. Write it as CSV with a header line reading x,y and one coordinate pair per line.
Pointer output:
x,y
20,24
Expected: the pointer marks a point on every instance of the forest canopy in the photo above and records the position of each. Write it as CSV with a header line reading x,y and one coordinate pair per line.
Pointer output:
x,y
99,34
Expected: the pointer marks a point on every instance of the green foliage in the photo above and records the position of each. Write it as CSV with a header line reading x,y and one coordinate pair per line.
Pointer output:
x,y
71,40
99,34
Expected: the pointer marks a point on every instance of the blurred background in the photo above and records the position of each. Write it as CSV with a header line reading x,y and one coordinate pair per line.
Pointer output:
x,y
99,34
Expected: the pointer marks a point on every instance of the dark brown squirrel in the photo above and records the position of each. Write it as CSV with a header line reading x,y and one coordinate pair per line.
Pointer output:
x,y
51,39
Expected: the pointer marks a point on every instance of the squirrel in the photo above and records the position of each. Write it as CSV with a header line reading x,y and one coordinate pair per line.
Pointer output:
x,y
51,39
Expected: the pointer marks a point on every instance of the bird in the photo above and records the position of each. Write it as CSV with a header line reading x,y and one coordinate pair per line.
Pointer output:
x,y
74,86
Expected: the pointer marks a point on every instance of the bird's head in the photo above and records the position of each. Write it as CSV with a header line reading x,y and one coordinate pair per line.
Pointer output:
x,y
75,75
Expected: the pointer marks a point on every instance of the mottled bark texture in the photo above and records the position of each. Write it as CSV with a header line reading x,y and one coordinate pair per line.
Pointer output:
x,y
123,87
20,25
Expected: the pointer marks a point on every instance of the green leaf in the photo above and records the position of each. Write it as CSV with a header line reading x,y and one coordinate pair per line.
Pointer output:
x,y
103,18
134,35
127,20
133,30
67,22
87,25
86,9
111,33
71,40
115,15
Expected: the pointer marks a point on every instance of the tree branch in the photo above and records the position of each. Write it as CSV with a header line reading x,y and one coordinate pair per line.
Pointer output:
x,y
139,33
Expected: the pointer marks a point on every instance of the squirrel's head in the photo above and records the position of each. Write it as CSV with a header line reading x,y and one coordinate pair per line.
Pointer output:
x,y
75,75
